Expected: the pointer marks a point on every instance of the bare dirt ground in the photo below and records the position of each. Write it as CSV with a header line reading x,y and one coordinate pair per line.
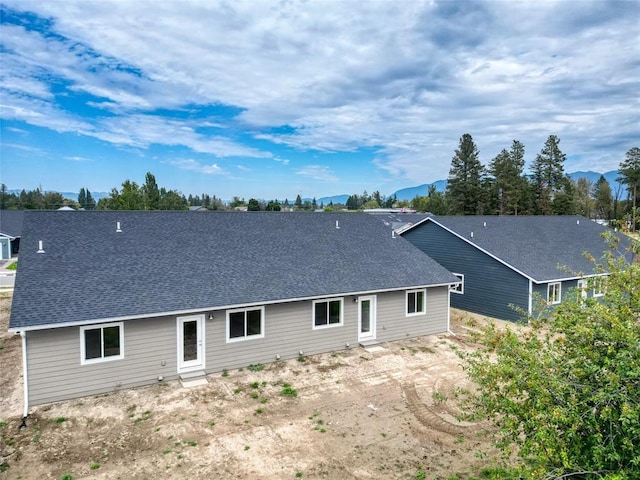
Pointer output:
x,y
386,413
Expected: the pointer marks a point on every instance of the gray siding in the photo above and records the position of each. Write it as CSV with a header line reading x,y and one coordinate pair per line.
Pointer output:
x,y
150,345
289,330
489,286
393,324
55,373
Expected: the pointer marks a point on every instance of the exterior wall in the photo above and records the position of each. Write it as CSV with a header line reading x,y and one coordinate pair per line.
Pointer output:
x,y
490,288
5,248
55,373
567,291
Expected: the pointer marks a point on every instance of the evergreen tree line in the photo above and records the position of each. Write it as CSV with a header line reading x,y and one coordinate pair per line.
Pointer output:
x,y
500,188
504,188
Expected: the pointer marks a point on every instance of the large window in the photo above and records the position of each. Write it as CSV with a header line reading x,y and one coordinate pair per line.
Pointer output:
x,y
416,302
458,287
245,324
554,293
101,343
327,313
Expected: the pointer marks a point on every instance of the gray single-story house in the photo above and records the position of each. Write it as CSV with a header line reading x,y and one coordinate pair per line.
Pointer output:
x,y
109,300
508,265
10,233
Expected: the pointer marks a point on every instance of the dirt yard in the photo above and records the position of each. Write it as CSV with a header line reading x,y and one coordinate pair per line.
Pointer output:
x,y
383,413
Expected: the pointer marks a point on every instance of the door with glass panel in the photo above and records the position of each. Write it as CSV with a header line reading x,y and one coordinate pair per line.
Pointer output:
x,y
190,343
367,318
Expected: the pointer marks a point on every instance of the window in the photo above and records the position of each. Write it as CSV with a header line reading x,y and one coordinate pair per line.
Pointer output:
x,y
598,286
458,288
327,313
245,324
416,302
102,343
553,293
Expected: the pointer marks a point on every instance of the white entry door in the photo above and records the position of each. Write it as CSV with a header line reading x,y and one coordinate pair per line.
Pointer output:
x,y
190,343
367,318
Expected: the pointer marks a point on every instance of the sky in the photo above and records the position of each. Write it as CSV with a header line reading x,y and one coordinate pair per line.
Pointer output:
x,y
274,99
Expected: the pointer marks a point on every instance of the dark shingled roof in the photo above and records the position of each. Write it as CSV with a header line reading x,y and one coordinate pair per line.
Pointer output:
x,y
537,246
11,222
170,262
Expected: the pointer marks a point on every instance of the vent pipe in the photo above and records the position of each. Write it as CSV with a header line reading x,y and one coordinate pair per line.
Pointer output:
x,y
485,224
337,225
393,234
118,230
471,234
40,247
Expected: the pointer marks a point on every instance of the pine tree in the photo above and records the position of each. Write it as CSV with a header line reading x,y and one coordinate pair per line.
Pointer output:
x,y
603,199
630,175
548,176
82,198
464,185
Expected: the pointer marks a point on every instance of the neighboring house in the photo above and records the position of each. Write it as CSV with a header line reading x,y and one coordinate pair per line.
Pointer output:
x,y
10,233
108,300
197,208
511,261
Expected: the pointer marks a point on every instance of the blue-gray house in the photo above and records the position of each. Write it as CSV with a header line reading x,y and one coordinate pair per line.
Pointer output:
x,y
10,232
507,264
110,300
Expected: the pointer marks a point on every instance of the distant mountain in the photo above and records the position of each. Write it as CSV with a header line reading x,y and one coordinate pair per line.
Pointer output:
x,y
420,191
69,195
593,177
74,196
410,193
341,199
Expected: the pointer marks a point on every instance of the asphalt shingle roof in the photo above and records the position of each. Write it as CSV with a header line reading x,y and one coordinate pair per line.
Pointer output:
x,y
164,262
537,246
11,222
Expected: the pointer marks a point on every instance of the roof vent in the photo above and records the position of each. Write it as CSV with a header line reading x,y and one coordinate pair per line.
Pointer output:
x,y
393,234
485,224
471,234
337,225
40,247
577,222
118,230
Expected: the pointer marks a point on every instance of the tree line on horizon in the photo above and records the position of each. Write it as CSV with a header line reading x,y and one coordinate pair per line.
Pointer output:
x,y
502,187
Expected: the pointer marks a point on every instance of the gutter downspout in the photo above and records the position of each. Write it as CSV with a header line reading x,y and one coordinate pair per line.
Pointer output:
x,y
25,377
530,308
449,312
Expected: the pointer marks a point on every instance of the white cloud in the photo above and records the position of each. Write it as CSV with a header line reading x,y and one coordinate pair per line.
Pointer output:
x,y
405,79
194,165
318,172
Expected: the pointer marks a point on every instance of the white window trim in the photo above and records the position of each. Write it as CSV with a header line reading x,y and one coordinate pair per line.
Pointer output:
x,y
559,299
84,361
598,282
424,302
245,337
459,289
328,325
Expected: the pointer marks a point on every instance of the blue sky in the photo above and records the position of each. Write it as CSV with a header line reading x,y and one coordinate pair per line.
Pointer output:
x,y
271,99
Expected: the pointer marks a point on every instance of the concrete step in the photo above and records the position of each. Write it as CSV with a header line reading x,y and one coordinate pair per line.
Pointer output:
x,y
193,379
189,375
